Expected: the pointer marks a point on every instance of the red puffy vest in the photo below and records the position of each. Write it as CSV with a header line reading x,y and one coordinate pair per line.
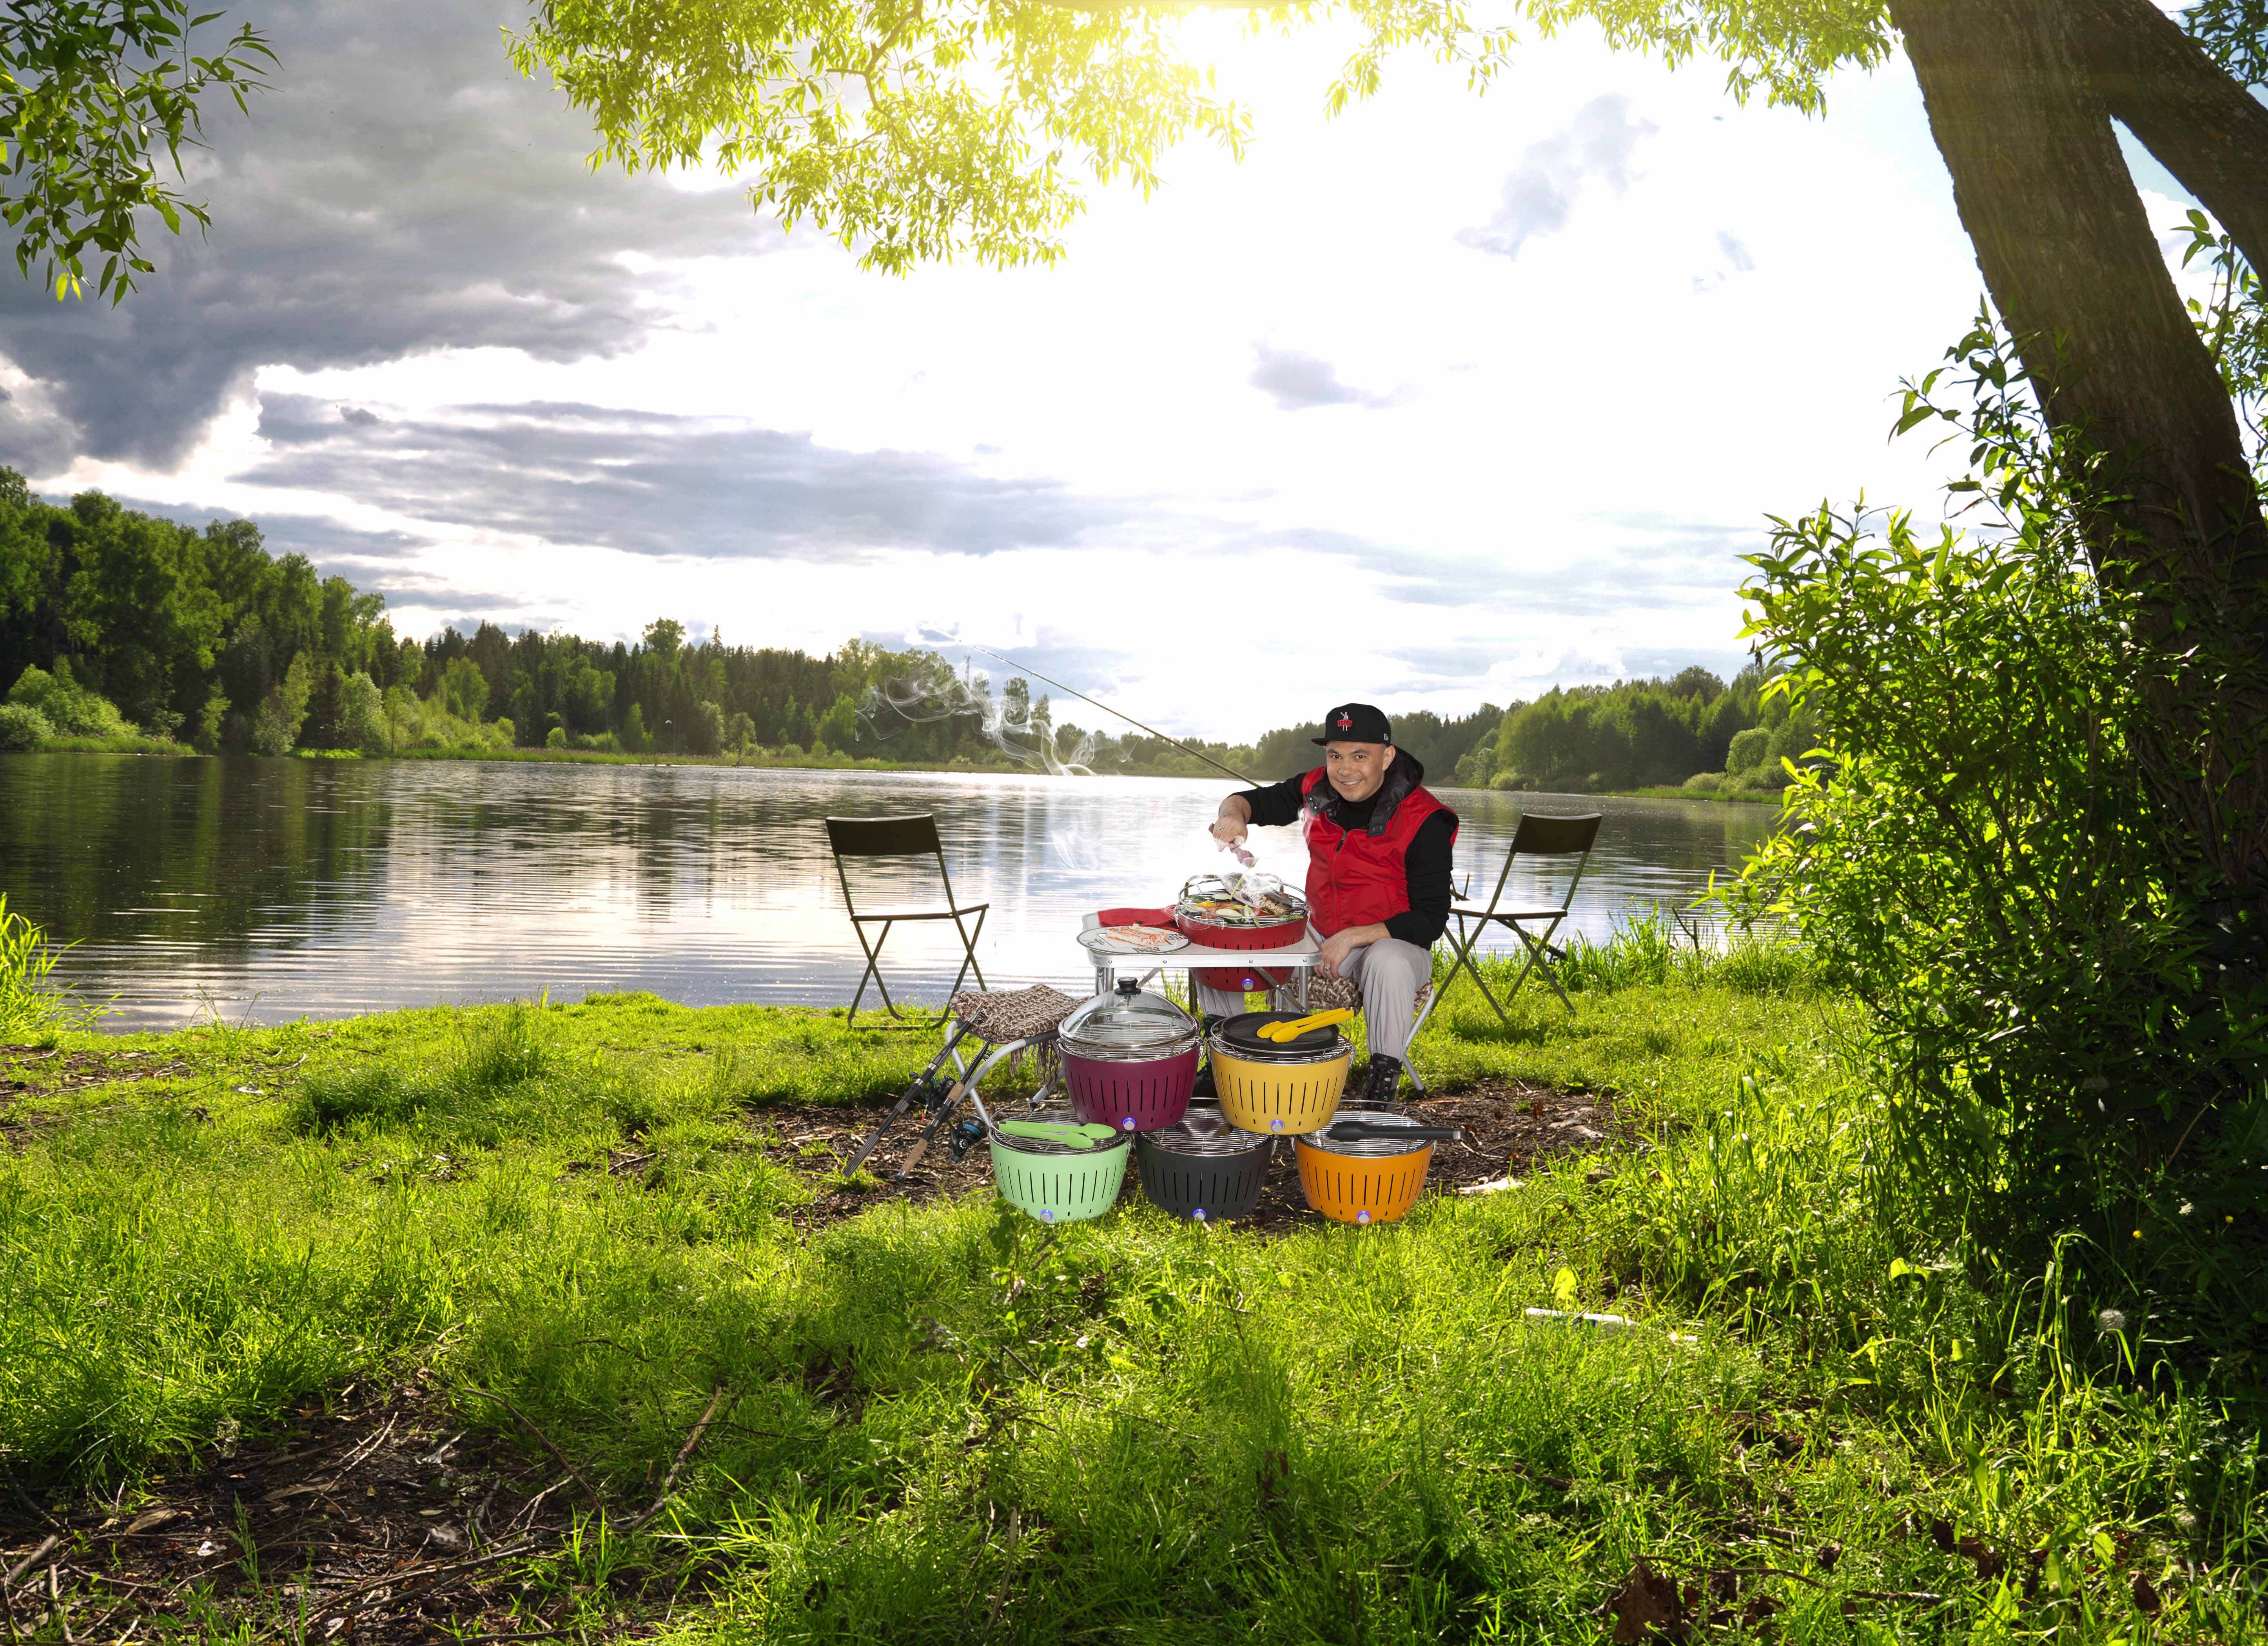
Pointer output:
x,y
1357,878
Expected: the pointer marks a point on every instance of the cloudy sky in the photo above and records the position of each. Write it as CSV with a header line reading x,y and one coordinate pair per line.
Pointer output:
x,y
1444,401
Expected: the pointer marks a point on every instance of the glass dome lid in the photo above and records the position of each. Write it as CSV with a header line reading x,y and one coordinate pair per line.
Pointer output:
x,y
1127,1022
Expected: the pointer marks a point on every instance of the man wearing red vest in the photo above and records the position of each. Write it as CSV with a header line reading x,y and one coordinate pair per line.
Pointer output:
x,y
1378,874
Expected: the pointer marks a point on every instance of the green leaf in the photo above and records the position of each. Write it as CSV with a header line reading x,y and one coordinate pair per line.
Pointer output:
x,y
98,95
966,128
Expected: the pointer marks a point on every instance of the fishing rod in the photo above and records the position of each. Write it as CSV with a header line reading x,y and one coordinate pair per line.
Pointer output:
x,y
1108,709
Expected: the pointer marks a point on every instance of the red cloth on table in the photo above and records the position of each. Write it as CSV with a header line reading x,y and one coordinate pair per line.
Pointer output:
x,y
1163,917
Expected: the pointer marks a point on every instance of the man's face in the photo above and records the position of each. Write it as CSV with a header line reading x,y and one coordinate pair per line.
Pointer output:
x,y
1356,769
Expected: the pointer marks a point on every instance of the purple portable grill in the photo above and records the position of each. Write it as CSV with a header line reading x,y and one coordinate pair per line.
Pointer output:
x,y
1129,1059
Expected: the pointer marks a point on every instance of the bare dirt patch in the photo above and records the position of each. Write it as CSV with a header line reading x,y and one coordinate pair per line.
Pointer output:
x,y
375,1519
1508,1124
32,1071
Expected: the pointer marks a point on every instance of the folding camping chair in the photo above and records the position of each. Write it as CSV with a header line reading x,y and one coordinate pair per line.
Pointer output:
x,y
913,836
1538,835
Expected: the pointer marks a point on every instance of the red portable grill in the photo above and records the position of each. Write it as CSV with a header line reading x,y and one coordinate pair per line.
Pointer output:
x,y
1260,930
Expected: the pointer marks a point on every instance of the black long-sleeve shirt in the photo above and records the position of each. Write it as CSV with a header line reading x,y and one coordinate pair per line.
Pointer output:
x,y
1427,863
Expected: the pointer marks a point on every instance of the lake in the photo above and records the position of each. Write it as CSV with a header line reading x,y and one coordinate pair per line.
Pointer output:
x,y
268,890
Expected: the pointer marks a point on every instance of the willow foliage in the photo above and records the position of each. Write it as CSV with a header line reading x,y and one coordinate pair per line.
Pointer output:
x,y
98,98
1982,847
923,131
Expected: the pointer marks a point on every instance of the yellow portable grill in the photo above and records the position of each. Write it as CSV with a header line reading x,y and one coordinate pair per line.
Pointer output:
x,y
1279,1087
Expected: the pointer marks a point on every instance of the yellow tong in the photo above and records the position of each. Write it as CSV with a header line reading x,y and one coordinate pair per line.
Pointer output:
x,y
1299,1026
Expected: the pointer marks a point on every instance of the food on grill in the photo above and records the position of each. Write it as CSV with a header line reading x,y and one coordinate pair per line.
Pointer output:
x,y
1239,911
1241,900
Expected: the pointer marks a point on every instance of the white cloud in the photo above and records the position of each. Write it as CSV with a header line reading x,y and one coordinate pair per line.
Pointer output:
x,y
1560,456
1538,197
1300,382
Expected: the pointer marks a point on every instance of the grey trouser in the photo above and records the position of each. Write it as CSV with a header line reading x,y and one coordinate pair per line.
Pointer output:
x,y
1389,972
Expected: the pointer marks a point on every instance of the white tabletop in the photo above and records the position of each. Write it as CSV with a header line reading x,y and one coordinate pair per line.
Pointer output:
x,y
1291,957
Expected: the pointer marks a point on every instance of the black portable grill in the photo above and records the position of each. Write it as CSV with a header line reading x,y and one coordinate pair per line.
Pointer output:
x,y
1204,1168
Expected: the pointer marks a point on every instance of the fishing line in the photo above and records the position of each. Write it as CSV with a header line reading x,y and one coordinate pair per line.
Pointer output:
x,y
1108,709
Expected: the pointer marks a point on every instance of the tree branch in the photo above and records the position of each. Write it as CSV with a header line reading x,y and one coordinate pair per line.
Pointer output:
x,y
669,1481
1166,5
2185,109
549,1446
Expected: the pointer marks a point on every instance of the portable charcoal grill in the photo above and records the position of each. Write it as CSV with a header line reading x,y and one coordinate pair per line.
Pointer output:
x,y
1054,1182
1130,1059
1265,932
1365,1180
1204,1168
1279,1087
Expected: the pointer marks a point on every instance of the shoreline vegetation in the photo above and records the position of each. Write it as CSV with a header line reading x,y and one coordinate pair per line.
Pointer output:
x,y
778,760
123,632
577,1297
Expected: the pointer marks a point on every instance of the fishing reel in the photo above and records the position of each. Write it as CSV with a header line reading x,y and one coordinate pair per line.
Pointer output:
x,y
965,1137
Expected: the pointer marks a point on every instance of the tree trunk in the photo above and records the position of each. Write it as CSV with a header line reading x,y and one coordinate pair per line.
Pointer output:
x,y
2205,128
2076,271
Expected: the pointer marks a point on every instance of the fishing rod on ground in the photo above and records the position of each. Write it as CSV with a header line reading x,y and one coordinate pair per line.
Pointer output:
x,y
1108,709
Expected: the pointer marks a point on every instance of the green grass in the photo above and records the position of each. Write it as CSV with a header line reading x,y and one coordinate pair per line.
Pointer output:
x,y
30,1002
949,1424
125,742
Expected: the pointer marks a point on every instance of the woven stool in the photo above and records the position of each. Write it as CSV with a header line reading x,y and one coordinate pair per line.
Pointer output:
x,y
1020,1014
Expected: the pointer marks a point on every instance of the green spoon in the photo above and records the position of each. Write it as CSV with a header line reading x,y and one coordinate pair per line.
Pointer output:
x,y
1060,1132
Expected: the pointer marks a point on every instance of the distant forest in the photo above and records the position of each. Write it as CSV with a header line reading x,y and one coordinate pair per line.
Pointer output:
x,y
1694,731
119,628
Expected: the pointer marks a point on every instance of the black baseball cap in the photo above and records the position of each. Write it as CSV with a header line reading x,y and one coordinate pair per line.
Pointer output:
x,y
1356,722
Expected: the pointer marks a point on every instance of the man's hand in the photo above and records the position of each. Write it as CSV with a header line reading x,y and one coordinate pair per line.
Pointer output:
x,y
1234,820
1340,945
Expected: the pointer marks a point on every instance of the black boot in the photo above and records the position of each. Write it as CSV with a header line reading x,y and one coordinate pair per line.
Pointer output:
x,y
1203,1086
1385,1080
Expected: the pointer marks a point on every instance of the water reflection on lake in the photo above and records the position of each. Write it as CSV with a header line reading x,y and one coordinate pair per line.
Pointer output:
x,y
277,889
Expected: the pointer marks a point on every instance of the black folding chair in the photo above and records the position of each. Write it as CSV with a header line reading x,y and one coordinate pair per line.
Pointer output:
x,y
1538,835
916,836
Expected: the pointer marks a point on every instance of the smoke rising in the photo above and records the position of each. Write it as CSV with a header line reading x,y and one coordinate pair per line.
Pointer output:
x,y
1023,732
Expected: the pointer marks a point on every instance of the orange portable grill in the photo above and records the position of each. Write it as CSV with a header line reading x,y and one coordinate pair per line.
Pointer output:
x,y
1365,1178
